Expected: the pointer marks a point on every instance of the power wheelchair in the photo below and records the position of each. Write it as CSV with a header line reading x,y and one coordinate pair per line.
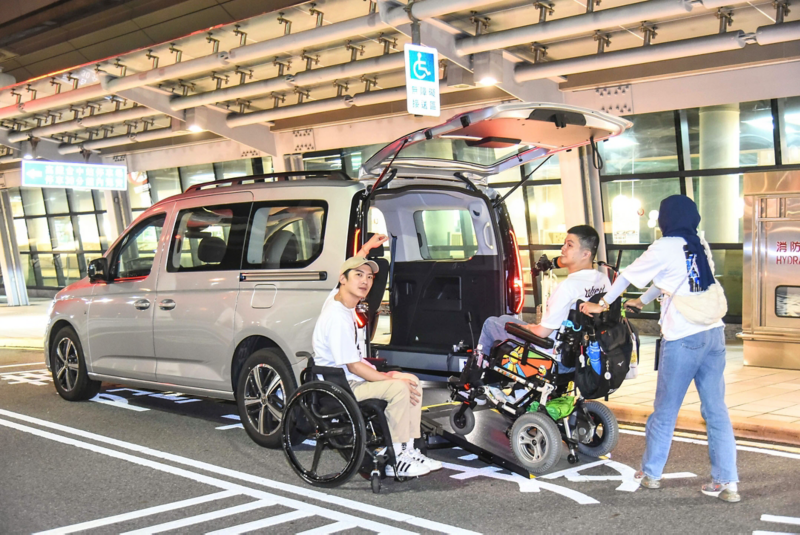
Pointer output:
x,y
535,430
328,436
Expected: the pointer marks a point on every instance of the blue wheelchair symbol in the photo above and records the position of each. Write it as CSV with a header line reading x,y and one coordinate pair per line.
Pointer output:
x,y
422,67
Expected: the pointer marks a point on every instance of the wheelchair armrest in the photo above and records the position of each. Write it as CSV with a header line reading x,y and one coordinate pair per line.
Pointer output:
x,y
515,330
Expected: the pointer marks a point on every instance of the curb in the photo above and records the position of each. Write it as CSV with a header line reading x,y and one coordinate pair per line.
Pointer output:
x,y
21,343
693,421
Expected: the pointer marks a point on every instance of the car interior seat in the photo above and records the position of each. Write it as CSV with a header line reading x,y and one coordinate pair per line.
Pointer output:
x,y
211,250
375,295
280,250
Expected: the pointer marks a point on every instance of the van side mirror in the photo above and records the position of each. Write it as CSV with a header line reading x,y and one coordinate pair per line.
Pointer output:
x,y
98,269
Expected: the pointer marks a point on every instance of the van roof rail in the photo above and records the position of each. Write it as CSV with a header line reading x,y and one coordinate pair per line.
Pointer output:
x,y
270,177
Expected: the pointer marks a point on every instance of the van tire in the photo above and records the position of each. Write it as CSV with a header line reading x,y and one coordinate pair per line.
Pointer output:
x,y
259,409
68,366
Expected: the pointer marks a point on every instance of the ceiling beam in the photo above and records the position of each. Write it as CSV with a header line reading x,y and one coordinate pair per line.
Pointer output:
x,y
46,151
208,118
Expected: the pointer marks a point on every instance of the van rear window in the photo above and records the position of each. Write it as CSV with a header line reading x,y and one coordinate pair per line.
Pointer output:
x,y
285,235
445,234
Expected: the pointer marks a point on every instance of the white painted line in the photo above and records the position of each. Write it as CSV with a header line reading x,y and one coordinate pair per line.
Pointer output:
x,y
470,457
124,517
752,449
781,519
199,519
222,484
18,365
330,528
263,523
232,426
772,533
116,401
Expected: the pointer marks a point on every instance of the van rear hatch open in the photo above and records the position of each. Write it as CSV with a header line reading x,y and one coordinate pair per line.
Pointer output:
x,y
454,261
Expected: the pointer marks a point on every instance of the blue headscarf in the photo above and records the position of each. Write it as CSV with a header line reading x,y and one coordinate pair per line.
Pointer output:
x,y
678,217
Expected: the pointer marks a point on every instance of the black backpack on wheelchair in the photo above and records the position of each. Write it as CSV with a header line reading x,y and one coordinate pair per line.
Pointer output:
x,y
615,337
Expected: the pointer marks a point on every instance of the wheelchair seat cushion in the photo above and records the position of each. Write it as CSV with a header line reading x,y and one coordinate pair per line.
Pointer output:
x,y
375,405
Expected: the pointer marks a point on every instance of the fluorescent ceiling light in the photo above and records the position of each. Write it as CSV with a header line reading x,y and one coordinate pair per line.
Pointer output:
x,y
28,156
487,80
195,128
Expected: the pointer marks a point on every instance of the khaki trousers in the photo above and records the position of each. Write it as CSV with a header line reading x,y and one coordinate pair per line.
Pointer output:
x,y
402,416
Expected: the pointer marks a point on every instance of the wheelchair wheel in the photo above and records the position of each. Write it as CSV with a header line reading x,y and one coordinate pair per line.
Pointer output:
x,y
536,442
462,424
606,431
323,434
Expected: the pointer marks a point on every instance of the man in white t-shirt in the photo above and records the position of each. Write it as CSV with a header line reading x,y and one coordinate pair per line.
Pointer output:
x,y
339,342
583,281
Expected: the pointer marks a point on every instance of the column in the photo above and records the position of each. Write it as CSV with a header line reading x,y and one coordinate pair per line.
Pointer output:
x,y
719,195
10,261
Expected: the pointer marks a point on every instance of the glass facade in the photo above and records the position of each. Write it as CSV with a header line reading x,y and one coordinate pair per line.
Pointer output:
x,y
704,153
60,231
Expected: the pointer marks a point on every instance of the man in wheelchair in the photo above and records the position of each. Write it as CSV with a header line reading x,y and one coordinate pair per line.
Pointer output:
x,y
339,342
583,281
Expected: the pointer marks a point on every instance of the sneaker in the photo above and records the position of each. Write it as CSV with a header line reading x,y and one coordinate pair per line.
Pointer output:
x,y
727,492
407,466
433,464
646,481
495,395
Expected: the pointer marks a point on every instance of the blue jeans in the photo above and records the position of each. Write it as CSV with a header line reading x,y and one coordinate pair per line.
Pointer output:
x,y
700,357
494,329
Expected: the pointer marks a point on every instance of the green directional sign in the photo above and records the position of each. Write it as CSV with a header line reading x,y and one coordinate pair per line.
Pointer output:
x,y
41,174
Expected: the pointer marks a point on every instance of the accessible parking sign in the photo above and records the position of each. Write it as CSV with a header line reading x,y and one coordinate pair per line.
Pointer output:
x,y
422,80
41,174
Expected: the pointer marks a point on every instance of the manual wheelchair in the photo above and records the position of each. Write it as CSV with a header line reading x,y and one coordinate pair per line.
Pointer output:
x,y
328,436
535,431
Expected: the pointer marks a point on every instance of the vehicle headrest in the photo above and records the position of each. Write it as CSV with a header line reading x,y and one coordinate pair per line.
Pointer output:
x,y
211,250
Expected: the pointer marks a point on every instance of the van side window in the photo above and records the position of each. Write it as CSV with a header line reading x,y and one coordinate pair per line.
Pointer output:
x,y
445,234
138,249
285,235
208,238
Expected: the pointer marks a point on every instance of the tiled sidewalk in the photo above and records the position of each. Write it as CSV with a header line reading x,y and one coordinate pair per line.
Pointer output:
x,y
23,327
755,396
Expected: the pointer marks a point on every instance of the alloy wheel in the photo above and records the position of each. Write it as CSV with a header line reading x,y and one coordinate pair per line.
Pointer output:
x,y
66,364
264,397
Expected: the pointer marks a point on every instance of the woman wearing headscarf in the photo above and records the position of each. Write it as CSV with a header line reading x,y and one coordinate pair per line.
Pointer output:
x,y
693,345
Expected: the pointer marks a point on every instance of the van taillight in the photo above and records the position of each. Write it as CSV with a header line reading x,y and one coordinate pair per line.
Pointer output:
x,y
356,245
516,288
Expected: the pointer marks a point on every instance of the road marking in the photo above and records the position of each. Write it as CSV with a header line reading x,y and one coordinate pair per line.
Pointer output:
x,y
18,365
702,442
306,493
330,528
263,523
781,519
33,377
140,513
470,457
525,485
116,401
626,475
205,517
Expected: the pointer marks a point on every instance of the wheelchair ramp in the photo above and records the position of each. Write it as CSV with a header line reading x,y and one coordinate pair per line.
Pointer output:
x,y
488,440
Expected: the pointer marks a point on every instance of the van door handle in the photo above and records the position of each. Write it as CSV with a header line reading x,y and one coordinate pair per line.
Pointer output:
x,y
166,304
141,304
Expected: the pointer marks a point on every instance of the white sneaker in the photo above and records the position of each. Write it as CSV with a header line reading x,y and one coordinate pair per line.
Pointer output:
x,y
407,466
433,464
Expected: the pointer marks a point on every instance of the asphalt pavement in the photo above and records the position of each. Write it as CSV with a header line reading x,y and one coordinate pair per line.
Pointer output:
x,y
139,461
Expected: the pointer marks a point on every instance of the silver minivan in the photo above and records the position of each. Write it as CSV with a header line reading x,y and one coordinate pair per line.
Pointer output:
x,y
215,292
